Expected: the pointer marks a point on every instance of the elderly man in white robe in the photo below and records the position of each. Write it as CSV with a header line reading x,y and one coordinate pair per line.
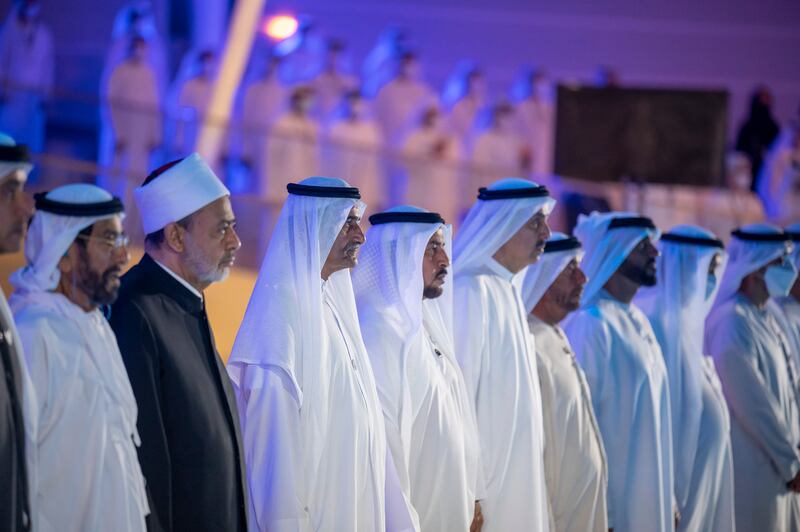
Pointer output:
x,y
759,379
690,263
88,476
619,353
575,463
404,306
311,418
504,232
17,401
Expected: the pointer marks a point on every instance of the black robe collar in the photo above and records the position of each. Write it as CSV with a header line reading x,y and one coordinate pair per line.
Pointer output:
x,y
163,282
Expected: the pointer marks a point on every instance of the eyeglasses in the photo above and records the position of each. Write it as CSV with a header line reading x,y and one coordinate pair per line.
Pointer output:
x,y
113,243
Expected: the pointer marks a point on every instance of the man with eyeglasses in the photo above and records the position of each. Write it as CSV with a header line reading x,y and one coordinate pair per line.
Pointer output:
x,y
88,472
191,447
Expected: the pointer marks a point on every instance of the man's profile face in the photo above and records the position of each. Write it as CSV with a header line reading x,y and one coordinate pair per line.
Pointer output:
x,y
567,289
344,252
16,209
640,265
211,242
99,259
434,266
527,244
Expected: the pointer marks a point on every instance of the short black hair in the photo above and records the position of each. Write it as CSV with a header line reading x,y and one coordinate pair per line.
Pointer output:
x,y
156,238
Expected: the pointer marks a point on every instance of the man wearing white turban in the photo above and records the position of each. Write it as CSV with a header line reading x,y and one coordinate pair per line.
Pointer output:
x,y
574,458
505,231
191,452
311,418
88,472
17,401
404,306
691,261
759,379
618,350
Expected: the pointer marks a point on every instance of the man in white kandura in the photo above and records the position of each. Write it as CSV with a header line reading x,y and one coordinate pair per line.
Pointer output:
x,y
505,231
691,262
619,353
88,472
789,303
405,309
759,379
574,458
311,418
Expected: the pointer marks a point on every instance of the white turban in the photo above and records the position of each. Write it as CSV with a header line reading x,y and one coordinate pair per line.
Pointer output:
x,y
559,251
60,215
607,244
752,247
13,157
179,191
501,210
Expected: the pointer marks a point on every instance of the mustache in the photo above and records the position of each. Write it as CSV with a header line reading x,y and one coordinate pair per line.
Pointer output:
x,y
353,246
442,273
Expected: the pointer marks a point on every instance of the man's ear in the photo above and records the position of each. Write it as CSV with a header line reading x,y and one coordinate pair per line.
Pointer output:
x,y
174,237
66,262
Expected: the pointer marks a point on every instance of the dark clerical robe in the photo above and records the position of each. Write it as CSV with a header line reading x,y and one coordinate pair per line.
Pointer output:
x,y
191,453
14,508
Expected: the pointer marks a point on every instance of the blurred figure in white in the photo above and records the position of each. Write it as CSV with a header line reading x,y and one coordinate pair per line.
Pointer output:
x,y
191,97
535,116
26,74
380,64
498,150
133,21
302,54
463,97
352,147
264,100
431,156
779,181
399,99
332,82
292,150
135,106
734,204
135,109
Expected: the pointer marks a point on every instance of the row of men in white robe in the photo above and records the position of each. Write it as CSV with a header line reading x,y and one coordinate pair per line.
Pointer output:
x,y
559,446
395,399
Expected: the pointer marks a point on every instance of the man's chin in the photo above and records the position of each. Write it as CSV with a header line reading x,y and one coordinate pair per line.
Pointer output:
x,y
649,280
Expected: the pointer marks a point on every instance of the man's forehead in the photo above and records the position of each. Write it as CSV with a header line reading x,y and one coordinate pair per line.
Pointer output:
x,y
113,224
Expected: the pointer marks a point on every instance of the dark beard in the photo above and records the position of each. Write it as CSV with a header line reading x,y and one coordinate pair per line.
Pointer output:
x,y
639,276
432,292
97,286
